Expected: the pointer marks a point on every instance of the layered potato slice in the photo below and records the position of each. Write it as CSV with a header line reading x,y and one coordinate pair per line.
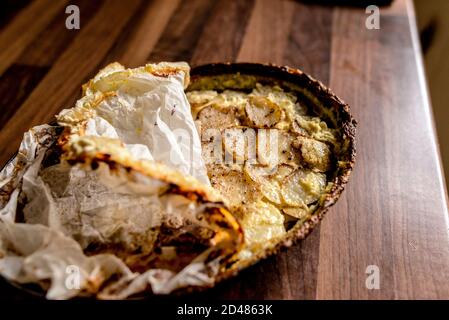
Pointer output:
x,y
280,154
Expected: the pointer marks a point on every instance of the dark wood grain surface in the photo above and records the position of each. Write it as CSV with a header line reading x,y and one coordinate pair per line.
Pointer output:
x,y
393,213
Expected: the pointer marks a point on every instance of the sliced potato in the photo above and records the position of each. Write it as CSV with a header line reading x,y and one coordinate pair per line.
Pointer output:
x,y
279,182
268,147
272,191
256,172
260,175
282,172
303,187
211,117
233,185
262,223
288,154
239,144
262,112
212,149
276,147
315,153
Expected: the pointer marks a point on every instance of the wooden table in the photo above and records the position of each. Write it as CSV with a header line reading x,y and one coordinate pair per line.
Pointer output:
x,y
393,213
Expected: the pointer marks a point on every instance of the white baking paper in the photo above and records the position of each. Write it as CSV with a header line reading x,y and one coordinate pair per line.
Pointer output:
x,y
66,207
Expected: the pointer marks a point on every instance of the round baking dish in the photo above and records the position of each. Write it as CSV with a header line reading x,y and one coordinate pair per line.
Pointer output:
x,y
318,98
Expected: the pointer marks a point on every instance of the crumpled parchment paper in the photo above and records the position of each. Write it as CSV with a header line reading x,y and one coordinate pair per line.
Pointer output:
x,y
130,128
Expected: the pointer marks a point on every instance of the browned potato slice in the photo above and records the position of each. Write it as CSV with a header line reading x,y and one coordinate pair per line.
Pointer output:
x,y
211,117
233,185
262,112
303,187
